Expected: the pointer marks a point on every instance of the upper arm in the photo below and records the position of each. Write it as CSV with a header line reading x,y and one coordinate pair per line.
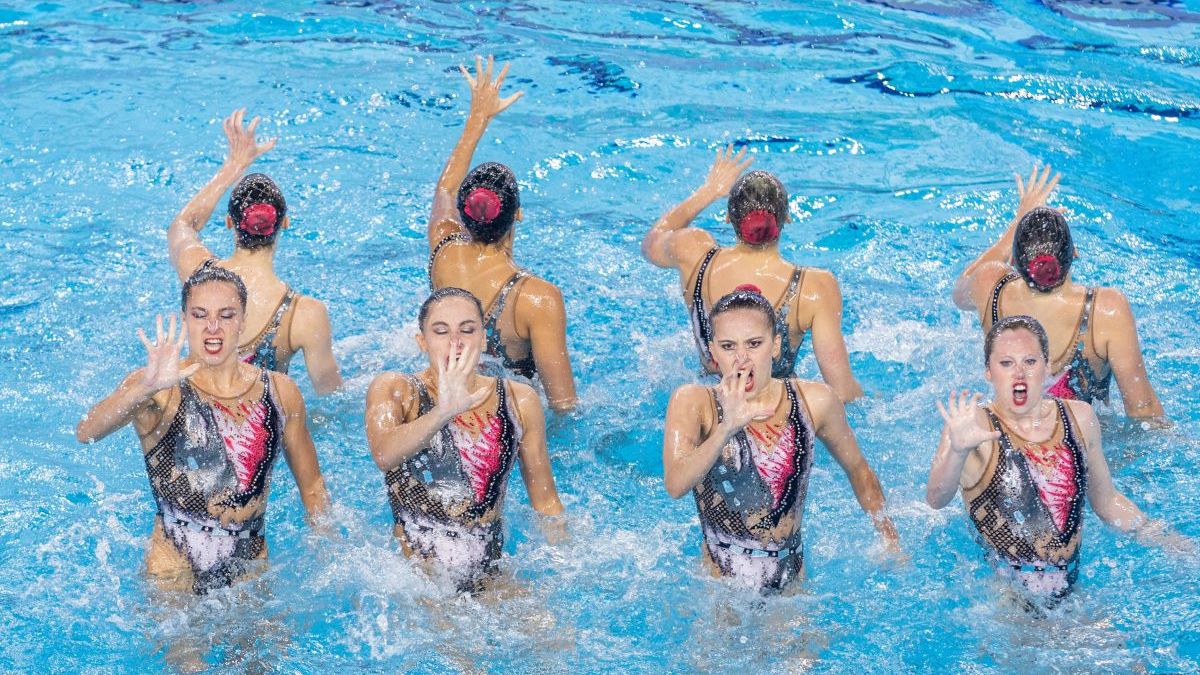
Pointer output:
x,y
544,314
443,219
974,286
315,340
299,450
389,398
1101,492
534,455
682,428
677,248
832,427
186,250
1118,342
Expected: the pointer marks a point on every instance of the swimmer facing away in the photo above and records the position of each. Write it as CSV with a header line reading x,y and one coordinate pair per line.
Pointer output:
x,y
281,320
1025,463
471,247
807,299
211,428
447,439
1091,329
745,450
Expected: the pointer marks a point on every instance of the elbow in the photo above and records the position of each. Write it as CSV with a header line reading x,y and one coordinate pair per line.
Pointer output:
x,y
674,487
563,406
936,499
82,435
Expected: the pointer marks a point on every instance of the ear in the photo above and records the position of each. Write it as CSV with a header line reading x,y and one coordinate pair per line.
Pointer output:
x,y
229,222
1074,253
728,218
518,215
421,344
777,350
286,223
987,373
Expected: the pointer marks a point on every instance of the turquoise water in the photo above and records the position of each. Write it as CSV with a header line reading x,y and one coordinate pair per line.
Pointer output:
x,y
896,126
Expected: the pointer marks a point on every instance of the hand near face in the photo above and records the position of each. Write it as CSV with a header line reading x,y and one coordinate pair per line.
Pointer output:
x,y
962,424
735,404
162,358
454,372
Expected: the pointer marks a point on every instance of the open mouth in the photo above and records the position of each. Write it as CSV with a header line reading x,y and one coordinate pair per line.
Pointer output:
x,y
749,379
1020,394
213,346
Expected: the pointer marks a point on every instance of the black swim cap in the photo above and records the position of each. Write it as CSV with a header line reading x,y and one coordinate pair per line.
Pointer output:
x,y
441,294
488,202
257,208
1042,249
210,272
758,207
1016,322
746,296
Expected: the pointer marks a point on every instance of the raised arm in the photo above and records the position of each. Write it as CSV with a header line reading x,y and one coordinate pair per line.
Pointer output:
x,y
311,334
665,241
391,399
485,104
979,277
186,250
829,345
1111,506
535,458
1119,343
834,431
298,448
687,458
962,432
133,400
545,317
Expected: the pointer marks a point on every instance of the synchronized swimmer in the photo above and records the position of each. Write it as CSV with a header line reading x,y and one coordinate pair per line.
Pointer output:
x,y
447,438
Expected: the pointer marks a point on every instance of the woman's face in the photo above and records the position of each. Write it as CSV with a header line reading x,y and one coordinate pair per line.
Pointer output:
x,y
742,340
452,325
214,318
1017,370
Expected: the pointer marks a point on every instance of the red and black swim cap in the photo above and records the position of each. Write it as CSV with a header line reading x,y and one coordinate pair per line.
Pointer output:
x,y
758,207
1042,249
488,200
257,209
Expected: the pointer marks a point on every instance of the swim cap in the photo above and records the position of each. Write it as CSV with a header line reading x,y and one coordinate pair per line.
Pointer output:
x,y
488,201
257,208
1042,249
758,206
748,287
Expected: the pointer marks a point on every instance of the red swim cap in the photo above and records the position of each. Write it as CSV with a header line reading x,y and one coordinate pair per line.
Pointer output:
x,y
1045,270
748,287
258,219
758,227
482,205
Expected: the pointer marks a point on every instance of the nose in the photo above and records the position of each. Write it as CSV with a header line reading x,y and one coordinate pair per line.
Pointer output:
x,y
210,325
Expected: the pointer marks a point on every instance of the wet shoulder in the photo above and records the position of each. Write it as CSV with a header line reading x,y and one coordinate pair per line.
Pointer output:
x,y
537,298
819,400
1110,306
286,393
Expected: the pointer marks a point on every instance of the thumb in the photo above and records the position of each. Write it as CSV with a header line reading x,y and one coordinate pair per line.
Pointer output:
x,y
993,435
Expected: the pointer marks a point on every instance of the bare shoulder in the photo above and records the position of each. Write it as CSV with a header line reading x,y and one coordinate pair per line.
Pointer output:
x,y
1084,413
311,311
524,395
1111,304
690,396
286,390
990,273
539,299
691,244
389,384
820,398
819,284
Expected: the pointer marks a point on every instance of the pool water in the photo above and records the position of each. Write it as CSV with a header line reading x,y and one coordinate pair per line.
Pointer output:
x,y
897,127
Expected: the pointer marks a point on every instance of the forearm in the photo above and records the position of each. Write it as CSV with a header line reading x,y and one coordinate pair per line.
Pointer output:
x,y
112,413
460,158
196,213
684,472
315,498
944,475
834,363
392,445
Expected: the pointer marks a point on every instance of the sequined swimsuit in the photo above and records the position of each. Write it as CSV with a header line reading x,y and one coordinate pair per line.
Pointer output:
x,y
751,501
447,498
525,367
261,351
702,330
1077,381
208,464
1027,508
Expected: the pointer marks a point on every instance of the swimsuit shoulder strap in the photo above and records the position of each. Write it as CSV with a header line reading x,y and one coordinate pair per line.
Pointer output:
x,y
1085,318
497,307
208,263
289,297
996,297
424,402
698,295
716,404
789,295
437,248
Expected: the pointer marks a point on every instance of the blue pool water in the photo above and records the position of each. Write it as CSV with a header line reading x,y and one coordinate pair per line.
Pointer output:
x,y
897,127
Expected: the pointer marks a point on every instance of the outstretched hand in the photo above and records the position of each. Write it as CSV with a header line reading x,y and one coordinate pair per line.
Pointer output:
x,y
243,148
735,403
1036,190
454,373
162,358
485,91
725,171
962,424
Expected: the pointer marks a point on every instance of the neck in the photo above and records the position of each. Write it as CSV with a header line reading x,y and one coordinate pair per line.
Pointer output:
x,y
1022,420
764,251
260,259
221,379
766,394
